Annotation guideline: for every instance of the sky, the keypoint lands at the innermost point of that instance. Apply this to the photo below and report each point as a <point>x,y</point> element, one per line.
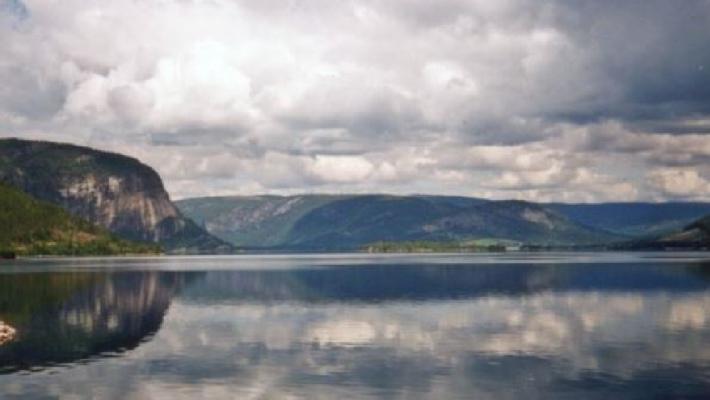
<point>575,101</point>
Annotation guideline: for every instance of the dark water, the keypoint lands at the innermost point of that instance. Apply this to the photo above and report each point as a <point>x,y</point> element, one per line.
<point>543,326</point>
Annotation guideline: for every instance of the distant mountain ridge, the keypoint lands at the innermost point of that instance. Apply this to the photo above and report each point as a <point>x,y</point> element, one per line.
<point>347,222</point>
<point>635,219</point>
<point>114,191</point>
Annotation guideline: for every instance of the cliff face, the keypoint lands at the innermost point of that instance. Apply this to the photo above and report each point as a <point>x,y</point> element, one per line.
<point>131,204</point>
<point>114,191</point>
<point>33,227</point>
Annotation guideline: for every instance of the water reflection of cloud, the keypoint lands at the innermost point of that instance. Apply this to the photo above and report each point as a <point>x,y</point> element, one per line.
<point>582,332</point>
<point>411,349</point>
<point>688,314</point>
<point>342,332</point>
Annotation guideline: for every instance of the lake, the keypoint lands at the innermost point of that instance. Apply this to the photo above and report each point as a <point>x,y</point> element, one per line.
<point>504,326</point>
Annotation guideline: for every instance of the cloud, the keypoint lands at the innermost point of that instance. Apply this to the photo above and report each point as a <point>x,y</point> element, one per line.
<point>509,99</point>
<point>341,168</point>
<point>680,182</point>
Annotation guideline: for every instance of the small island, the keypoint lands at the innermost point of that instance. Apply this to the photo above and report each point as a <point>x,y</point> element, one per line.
<point>429,246</point>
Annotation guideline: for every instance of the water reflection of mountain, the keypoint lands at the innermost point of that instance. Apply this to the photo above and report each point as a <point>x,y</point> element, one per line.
<point>591,331</point>
<point>64,317</point>
<point>418,283</point>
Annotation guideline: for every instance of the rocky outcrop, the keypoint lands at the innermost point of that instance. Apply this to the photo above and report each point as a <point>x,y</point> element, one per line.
<point>114,191</point>
<point>7,333</point>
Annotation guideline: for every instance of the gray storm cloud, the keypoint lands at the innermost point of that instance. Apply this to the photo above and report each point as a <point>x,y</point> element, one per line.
<point>573,101</point>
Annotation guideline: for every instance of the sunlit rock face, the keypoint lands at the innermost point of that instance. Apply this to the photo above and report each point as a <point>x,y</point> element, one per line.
<point>114,191</point>
<point>133,204</point>
<point>67,317</point>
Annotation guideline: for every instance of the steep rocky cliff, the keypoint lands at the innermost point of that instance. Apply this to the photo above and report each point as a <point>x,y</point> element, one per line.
<point>111,190</point>
<point>33,227</point>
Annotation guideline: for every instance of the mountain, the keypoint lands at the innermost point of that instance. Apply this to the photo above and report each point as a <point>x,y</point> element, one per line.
<point>694,235</point>
<point>107,189</point>
<point>33,227</point>
<point>245,221</point>
<point>346,222</point>
<point>634,219</point>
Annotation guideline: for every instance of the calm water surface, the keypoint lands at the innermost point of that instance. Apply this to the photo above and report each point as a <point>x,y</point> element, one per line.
<point>533,326</point>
